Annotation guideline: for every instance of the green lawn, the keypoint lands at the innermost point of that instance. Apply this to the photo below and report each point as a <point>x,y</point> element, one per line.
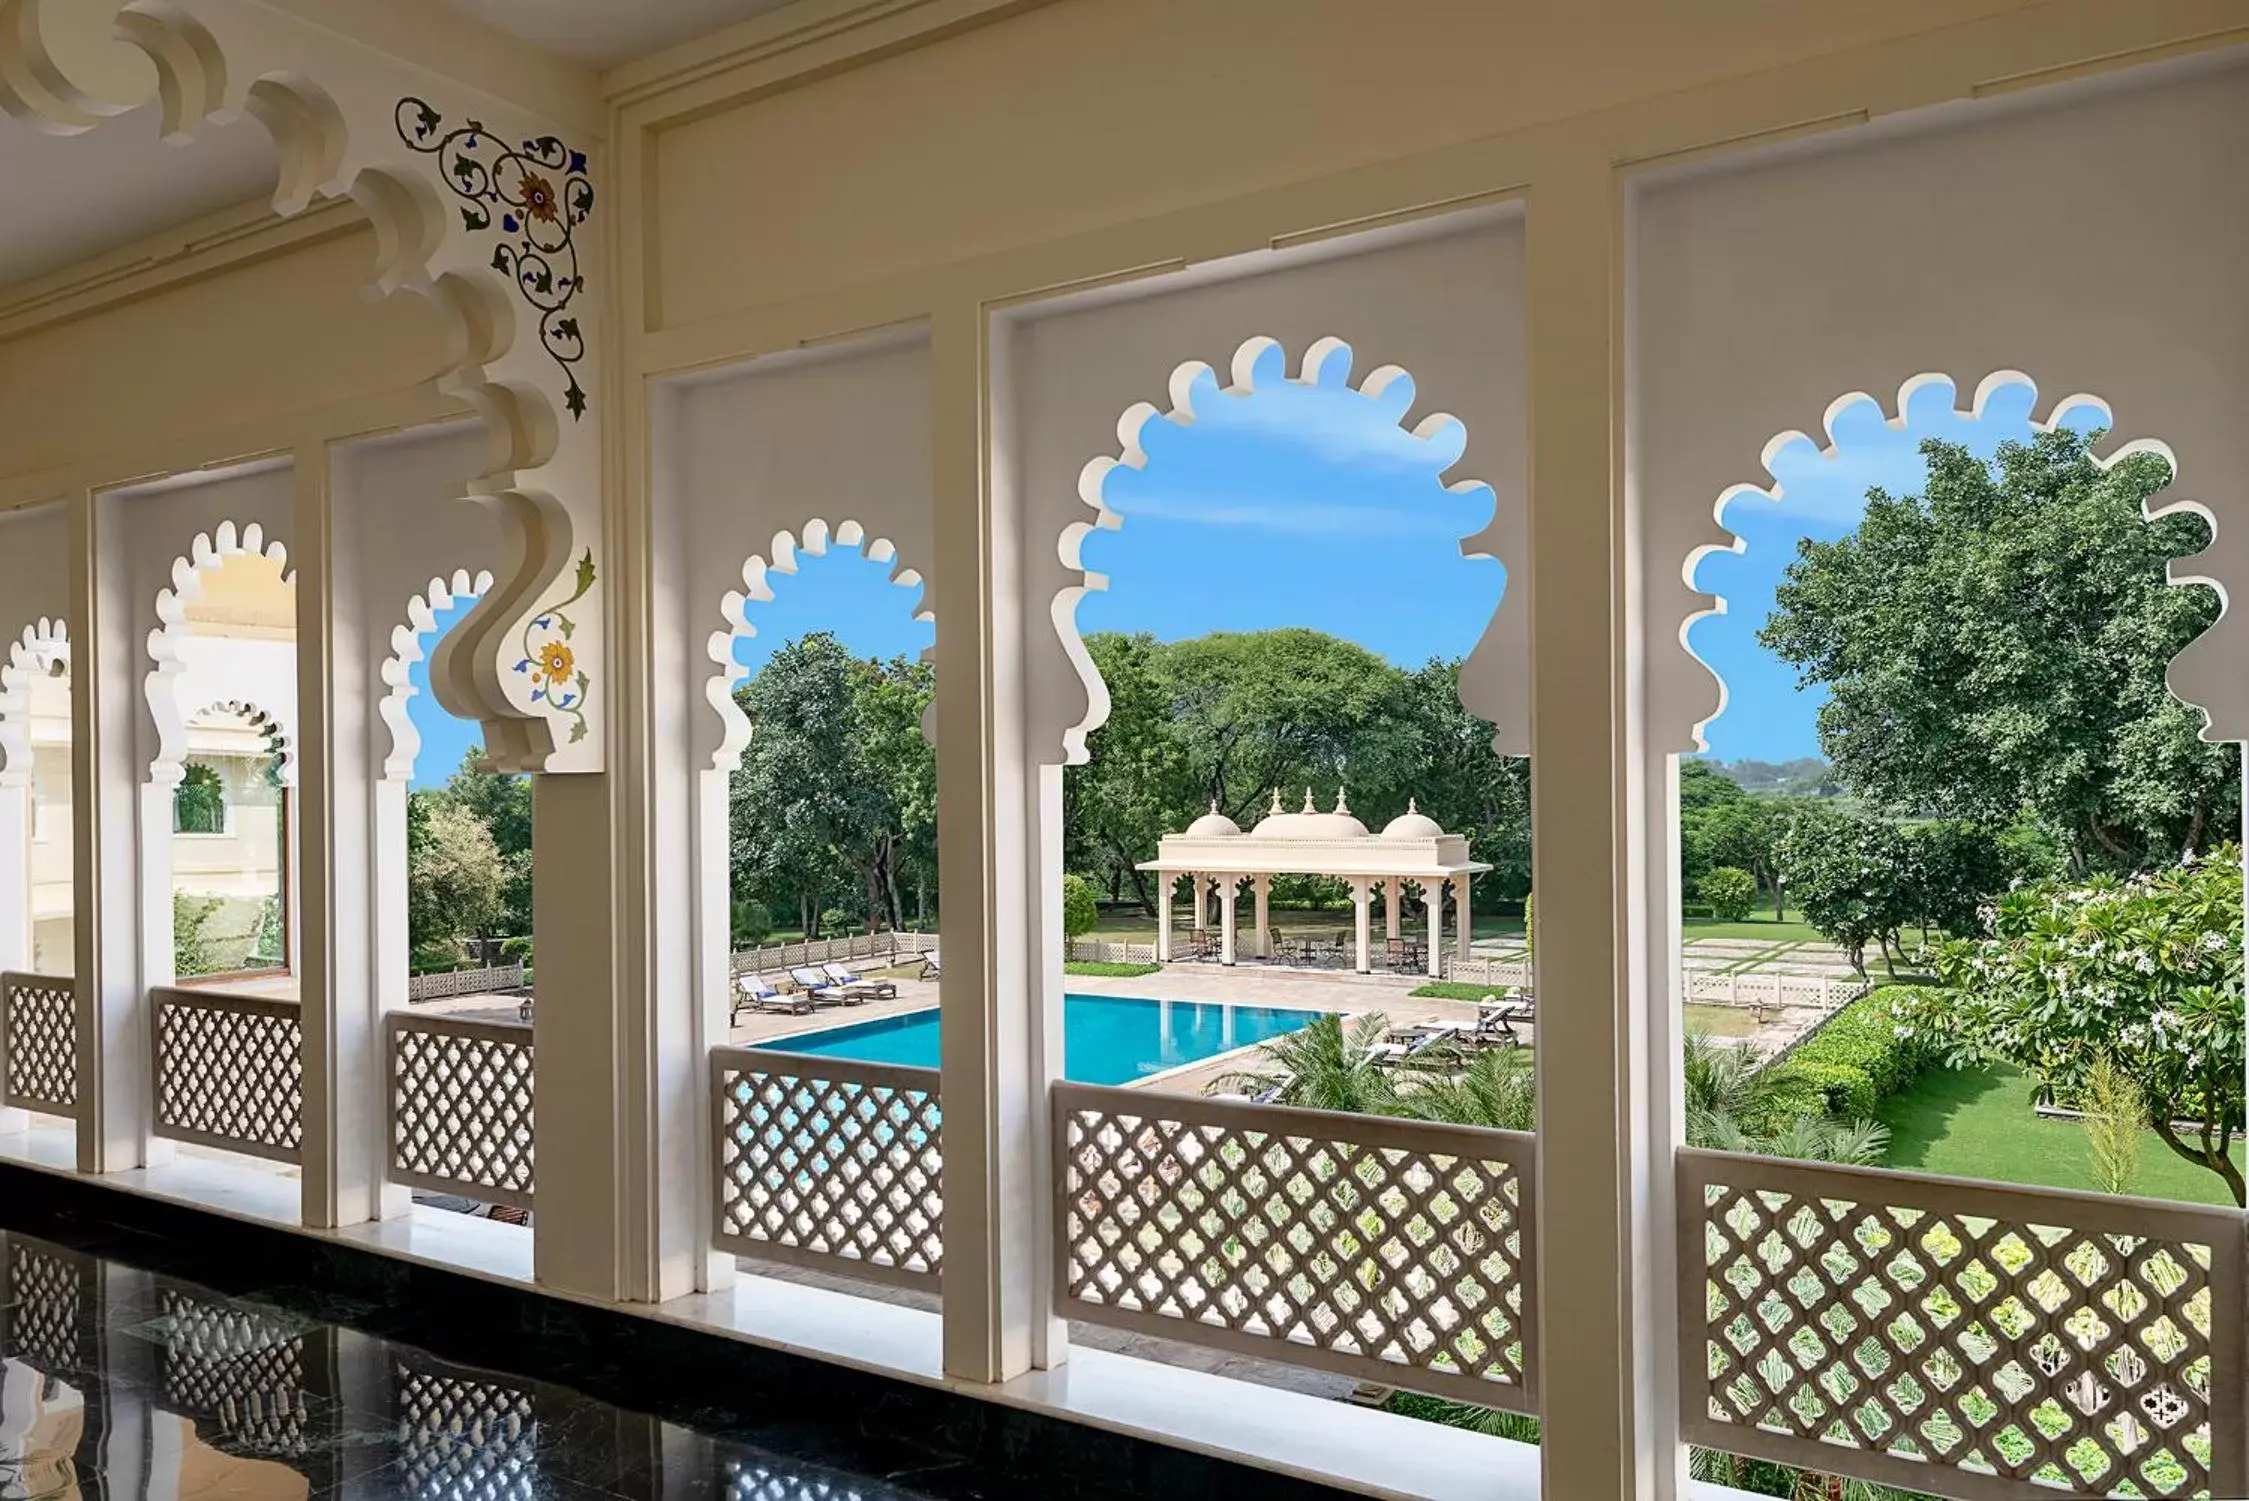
<point>1104,969</point>
<point>1756,925</point>
<point>1979,1124</point>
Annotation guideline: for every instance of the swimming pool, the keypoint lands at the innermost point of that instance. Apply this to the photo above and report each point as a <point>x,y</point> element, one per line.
<point>1106,1039</point>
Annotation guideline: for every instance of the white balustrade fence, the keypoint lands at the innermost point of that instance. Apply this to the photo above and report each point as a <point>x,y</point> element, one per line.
<point>1972,1339</point>
<point>1477,970</point>
<point>500,979</point>
<point>39,1043</point>
<point>1390,1250</point>
<point>1107,951</point>
<point>828,1163</point>
<point>879,948</point>
<point>229,1071</point>
<point>1766,990</point>
<point>460,1107</point>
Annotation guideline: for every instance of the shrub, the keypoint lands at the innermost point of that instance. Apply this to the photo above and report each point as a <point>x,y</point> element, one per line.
<point>753,924</point>
<point>1081,906</point>
<point>1730,891</point>
<point>515,951</point>
<point>191,935</point>
<point>1858,1060</point>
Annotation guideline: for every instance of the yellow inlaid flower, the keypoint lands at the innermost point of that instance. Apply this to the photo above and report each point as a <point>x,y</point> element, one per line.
<point>539,200</point>
<point>557,663</point>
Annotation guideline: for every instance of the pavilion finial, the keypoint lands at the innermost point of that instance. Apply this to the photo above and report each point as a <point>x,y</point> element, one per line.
<point>1275,809</point>
<point>1214,805</point>
<point>1412,806</point>
<point>1341,806</point>
<point>1308,801</point>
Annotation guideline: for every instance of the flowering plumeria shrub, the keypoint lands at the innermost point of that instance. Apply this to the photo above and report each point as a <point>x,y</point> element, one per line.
<point>2146,971</point>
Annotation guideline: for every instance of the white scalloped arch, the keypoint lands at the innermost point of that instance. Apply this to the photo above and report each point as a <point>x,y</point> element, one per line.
<point>812,540</point>
<point>405,650</point>
<point>2155,507</point>
<point>333,136</point>
<point>1391,386</point>
<point>42,650</point>
<point>276,733</point>
<point>209,552</point>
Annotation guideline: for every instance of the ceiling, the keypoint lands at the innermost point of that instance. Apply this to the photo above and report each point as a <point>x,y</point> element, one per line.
<point>118,183</point>
<point>605,33</point>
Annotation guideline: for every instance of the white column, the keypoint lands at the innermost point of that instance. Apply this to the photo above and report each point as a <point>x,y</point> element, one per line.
<point>1462,917</point>
<point>122,900</point>
<point>1163,916</point>
<point>1362,897</point>
<point>1433,893</point>
<point>1392,891</point>
<point>1229,890</point>
<point>1201,892</point>
<point>15,895</point>
<point>1262,888</point>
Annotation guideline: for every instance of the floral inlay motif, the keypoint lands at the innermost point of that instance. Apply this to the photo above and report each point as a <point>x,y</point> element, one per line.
<point>537,194</point>
<point>557,680</point>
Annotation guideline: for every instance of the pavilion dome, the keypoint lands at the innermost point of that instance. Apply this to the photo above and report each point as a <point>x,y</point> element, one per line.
<point>1412,824</point>
<point>1310,823</point>
<point>1213,825</point>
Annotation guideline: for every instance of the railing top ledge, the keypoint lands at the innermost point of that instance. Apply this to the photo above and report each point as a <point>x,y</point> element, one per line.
<point>2118,1214</point>
<point>29,979</point>
<point>1387,1131</point>
<point>815,1066</point>
<point>492,1028</point>
<point>224,1000</point>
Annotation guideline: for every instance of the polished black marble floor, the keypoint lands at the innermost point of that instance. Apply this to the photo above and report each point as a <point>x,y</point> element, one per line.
<point>122,1384</point>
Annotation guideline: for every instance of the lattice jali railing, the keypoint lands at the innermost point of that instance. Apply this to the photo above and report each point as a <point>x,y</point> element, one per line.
<point>1973,1339</point>
<point>229,1071</point>
<point>260,1375</point>
<point>44,1299</point>
<point>829,1163</point>
<point>460,1107</point>
<point>463,1438</point>
<point>1390,1250</point>
<point>39,1043</point>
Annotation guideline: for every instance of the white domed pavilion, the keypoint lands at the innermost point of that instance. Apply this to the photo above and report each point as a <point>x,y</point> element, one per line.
<point>1213,853</point>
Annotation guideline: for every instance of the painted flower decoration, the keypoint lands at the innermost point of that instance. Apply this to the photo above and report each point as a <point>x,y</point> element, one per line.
<point>539,198</point>
<point>556,663</point>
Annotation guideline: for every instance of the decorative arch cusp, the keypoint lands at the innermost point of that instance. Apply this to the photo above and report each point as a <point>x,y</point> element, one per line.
<point>163,686</point>
<point>477,207</point>
<point>42,650</point>
<point>406,648</point>
<point>1700,703</point>
<point>1257,363</point>
<point>812,540</point>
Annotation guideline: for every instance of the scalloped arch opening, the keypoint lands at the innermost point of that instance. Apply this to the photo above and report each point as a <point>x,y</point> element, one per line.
<point>41,651</point>
<point>1913,398</point>
<point>737,616</point>
<point>210,552</point>
<point>407,647</point>
<point>1258,364</point>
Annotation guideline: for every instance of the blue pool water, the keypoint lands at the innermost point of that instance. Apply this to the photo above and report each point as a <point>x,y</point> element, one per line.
<point>1106,1039</point>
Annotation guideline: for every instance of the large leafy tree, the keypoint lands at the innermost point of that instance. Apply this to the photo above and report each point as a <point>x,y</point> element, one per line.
<point>1463,783</point>
<point>502,804</point>
<point>456,877</point>
<point>1854,878</point>
<point>2143,972</point>
<point>897,845</point>
<point>1138,782</point>
<point>1998,643</point>
<point>803,799</point>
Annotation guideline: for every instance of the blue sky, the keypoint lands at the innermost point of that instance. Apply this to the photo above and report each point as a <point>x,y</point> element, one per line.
<point>1312,506</point>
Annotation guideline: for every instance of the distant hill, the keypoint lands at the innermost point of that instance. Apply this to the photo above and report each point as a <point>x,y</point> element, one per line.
<point>1807,776</point>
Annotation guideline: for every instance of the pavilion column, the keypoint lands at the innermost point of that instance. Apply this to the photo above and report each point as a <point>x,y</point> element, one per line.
<point>1433,893</point>
<point>1164,879</point>
<point>1461,916</point>
<point>1262,888</point>
<point>1392,891</point>
<point>1229,891</point>
<point>1195,879</point>
<point>1362,897</point>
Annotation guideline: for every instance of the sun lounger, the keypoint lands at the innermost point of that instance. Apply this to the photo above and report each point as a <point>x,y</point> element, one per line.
<point>824,991</point>
<point>860,985</point>
<point>753,993</point>
<point>932,967</point>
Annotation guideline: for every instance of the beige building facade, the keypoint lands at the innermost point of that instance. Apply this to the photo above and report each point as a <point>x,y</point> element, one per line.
<point>913,277</point>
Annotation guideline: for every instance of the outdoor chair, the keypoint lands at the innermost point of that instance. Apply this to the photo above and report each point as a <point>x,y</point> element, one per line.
<point>932,966</point>
<point>753,993</point>
<point>860,985</point>
<point>824,991</point>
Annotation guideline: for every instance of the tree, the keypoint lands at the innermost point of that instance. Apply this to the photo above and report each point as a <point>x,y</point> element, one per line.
<point>896,840</point>
<point>1958,869</point>
<point>191,935</point>
<point>1324,1065</point>
<point>456,878</point>
<point>502,803</point>
<point>1138,783</point>
<point>2144,972</point>
<point>1081,908</point>
<point>1744,832</point>
<point>1730,891</point>
<point>1853,878</point>
<point>1462,782</point>
<point>1999,644</point>
<point>800,802</point>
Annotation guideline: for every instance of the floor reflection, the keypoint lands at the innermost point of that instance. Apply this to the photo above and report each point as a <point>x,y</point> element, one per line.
<point>118,1384</point>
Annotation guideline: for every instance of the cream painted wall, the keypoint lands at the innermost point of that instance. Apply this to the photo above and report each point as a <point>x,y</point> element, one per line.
<point>1089,112</point>
<point>289,334</point>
